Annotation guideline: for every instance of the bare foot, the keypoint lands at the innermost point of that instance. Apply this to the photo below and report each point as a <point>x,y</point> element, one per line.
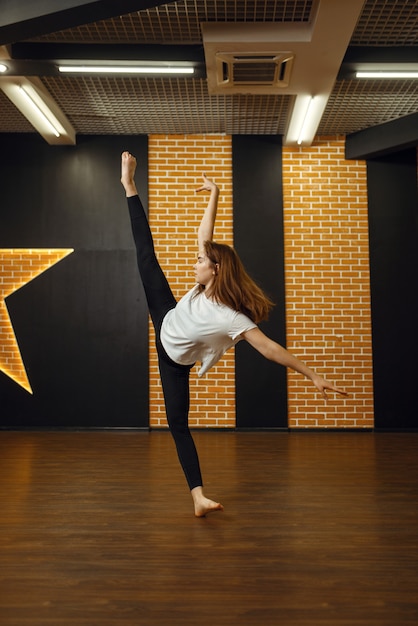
<point>128,173</point>
<point>203,505</point>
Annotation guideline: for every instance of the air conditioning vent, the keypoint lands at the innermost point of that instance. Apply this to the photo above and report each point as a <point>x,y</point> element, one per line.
<point>245,69</point>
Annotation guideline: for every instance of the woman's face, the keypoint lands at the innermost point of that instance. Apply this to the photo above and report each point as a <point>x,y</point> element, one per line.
<point>204,270</point>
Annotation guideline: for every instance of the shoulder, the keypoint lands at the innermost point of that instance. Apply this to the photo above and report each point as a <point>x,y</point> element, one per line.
<point>192,293</point>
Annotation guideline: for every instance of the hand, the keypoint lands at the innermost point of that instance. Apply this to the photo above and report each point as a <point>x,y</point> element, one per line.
<point>322,385</point>
<point>208,185</point>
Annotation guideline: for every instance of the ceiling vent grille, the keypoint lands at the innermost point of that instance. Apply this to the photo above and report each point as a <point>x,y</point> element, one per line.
<point>249,69</point>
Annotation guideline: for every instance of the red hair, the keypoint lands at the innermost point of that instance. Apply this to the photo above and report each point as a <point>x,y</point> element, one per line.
<point>233,286</point>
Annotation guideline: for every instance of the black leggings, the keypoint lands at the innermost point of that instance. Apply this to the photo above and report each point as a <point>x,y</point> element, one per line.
<point>174,377</point>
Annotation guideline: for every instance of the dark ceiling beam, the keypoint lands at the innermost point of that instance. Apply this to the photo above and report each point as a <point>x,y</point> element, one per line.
<point>381,54</point>
<point>25,19</point>
<point>34,52</point>
<point>358,57</point>
<point>384,139</point>
<point>43,59</point>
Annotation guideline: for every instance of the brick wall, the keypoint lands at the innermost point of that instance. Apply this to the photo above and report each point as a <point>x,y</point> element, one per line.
<point>327,283</point>
<point>176,164</point>
<point>327,272</point>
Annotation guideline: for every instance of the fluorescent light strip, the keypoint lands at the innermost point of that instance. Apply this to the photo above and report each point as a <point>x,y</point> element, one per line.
<point>38,111</point>
<point>393,74</point>
<point>305,121</point>
<point>125,69</point>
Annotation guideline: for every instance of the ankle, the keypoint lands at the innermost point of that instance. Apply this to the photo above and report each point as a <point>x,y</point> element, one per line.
<point>197,493</point>
<point>129,187</point>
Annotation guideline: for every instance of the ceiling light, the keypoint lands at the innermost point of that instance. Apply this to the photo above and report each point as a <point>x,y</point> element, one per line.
<point>35,102</point>
<point>387,74</point>
<point>3,68</point>
<point>126,69</point>
<point>305,121</point>
<point>39,112</point>
<point>305,118</point>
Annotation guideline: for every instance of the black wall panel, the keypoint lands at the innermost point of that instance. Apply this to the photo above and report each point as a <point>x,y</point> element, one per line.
<point>261,386</point>
<point>393,220</point>
<point>82,325</point>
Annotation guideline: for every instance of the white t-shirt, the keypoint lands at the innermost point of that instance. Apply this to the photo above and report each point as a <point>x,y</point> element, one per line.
<point>199,329</point>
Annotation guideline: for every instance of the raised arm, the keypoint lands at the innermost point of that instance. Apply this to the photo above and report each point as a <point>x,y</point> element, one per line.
<point>205,232</point>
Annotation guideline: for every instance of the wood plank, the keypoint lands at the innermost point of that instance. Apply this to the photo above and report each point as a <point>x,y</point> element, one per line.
<point>97,528</point>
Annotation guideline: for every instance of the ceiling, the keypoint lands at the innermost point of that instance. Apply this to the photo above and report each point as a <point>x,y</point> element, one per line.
<point>374,31</point>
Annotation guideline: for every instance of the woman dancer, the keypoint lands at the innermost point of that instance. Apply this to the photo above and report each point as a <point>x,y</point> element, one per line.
<point>224,307</point>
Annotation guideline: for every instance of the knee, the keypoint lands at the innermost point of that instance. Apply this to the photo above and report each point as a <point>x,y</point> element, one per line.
<point>178,429</point>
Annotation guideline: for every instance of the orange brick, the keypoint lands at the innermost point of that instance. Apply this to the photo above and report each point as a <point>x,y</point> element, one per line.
<point>176,164</point>
<point>336,221</point>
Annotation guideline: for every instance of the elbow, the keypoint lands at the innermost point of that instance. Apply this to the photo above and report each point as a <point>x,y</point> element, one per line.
<point>267,352</point>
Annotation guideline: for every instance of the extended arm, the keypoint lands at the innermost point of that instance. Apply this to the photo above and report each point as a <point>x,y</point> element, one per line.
<point>205,232</point>
<point>275,352</point>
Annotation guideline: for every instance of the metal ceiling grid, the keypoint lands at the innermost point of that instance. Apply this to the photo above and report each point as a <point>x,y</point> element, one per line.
<point>12,120</point>
<point>387,23</point>
<point>182,105</point>
<point>179,22</point>
<point>355,105</point>
<point>130,105</point>
<point>382,22</point>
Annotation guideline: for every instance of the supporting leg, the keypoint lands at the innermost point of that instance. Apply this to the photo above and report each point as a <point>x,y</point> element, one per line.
<point>175,380</point>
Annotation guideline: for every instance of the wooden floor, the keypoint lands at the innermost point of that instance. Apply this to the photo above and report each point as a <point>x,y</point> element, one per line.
<point>319,529</point>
